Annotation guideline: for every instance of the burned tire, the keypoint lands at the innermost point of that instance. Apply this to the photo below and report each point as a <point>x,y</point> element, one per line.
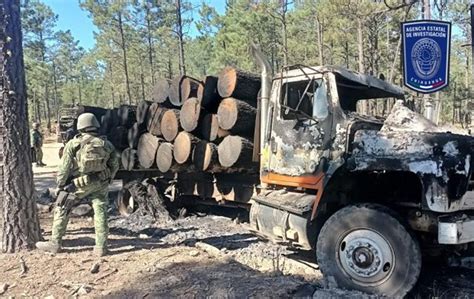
<point>365,247</point>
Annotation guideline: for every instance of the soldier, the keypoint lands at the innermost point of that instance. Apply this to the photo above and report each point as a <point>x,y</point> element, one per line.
<point>37,144</point>
<point>88,166</point>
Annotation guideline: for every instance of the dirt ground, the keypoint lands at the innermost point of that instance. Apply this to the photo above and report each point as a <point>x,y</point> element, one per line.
<point>202,255</point>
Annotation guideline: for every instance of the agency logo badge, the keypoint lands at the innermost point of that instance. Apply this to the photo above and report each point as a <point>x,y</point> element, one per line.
<point>426,50</point>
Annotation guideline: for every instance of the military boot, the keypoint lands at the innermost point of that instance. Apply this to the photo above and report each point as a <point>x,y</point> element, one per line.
<point>100,251</point>
<point>50,246</point>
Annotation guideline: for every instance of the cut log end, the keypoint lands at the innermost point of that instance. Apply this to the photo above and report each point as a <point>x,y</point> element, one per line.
<point>227,82</point>
<point>164,156</point>
<point>182,147</point>
<point>235,151</point>
<point>160,91</point>
<point>204,154</point>
<point>190,114</point>
<point>170,125</point>
<point>155,113</point>
<point>129,158</point>
<point>227,113</point>
<point>147,147</point>
<point>210,127</point>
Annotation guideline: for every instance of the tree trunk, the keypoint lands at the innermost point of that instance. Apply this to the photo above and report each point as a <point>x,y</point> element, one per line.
<point>21,228</point>
<point>170,124</point>
<point>236,116</point>
<point>183,147</point>
<point>191,114</point>
<point>179,23</point>
<point>210,127</point>
<point>147,147</point>
<point>149,30</point>
<point>155,113</point>
<point>129,159</point>
<point>238,84</point>
<point>123,45</point>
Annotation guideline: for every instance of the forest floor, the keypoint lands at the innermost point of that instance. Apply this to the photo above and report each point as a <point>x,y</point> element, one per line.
<point>204,254</point>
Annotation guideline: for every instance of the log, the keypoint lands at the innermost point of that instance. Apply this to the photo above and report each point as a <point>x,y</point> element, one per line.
<point>210,129</point>
<point>238,84</point>
<point>238,117</point>
<point>183,147</point>
<point>146,150</point>
<point>160,91</point>
<point>129,159</point>
<point>236,152</point>
<point>155,113</point>
<point>97,111</point>
<point>210,96</point>
<point>142,113</point>
<point>109,121</point>
<point>183,88</point>
<point>191,114</point>
<point>205,156</point>
<point>164,156</point>
<point>170,125</point>
<point>127,115</point>
<point>133,135</point>
<point>118,137</point>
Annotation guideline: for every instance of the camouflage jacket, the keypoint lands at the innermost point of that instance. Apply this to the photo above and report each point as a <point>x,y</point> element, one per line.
<point>69,168</point>
<point>36,138</point>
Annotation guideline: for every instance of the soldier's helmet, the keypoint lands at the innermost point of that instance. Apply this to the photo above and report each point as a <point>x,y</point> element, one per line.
<point>36,125</point>
<point>87,120</point>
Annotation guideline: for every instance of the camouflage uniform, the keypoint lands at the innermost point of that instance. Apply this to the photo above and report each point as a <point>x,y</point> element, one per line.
<point>92,187</point>
<point>37,144</point>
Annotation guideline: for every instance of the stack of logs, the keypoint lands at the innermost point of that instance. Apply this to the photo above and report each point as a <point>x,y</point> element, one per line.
<point>190,125</point>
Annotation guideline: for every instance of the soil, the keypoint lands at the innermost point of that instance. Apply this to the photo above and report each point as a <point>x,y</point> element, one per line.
<point>204,254</point>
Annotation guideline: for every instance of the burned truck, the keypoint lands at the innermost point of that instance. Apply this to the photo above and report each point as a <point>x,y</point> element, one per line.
<point>368,194</point>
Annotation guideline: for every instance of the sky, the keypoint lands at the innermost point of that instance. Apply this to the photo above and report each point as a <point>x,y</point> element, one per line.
<point>72,17</point>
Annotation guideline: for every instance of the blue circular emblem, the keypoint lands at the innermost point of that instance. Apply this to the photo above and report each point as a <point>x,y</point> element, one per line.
<point>426,58</point>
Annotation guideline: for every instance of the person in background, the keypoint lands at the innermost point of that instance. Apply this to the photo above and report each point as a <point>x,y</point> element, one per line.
<point>37,144</point>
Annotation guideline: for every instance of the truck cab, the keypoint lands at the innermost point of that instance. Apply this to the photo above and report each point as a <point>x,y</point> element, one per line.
<point>367,193</point>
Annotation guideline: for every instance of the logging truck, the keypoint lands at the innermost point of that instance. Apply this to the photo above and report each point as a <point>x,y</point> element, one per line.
<point>368,194</point>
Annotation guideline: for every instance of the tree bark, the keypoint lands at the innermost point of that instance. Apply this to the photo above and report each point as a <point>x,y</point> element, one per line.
<point>179,25</point>
<point>210,96</point>
<point>124,52</point>
<point>238,84</point>
<point>236,116</point>
<point>21,228</point>
<point>118,137</point>
<point>127,115</point>
<point>170,125</point>
<point>133,135</point>
<point>155,113</point>
<point>142,113</point>
<point>205,156</point>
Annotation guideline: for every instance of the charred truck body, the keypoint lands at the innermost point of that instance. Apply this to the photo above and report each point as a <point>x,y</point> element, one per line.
<point>366,193</point>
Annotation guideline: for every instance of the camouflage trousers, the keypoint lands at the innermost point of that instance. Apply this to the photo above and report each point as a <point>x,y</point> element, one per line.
<point>39,154</point>
<point>97,193</point>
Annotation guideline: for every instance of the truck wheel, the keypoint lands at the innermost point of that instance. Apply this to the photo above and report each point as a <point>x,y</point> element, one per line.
<point>365,247</point>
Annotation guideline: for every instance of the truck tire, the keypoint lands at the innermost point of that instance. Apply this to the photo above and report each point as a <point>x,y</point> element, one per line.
<point>365,247</point>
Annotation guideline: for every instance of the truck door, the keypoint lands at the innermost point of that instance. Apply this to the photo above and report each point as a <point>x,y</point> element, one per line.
<point>300,132</point>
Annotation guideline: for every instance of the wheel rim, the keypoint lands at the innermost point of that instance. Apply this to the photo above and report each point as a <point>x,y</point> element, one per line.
<point>366,257</point>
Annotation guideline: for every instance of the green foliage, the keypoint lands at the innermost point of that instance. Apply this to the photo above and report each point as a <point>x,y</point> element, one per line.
<point>138,41</point>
